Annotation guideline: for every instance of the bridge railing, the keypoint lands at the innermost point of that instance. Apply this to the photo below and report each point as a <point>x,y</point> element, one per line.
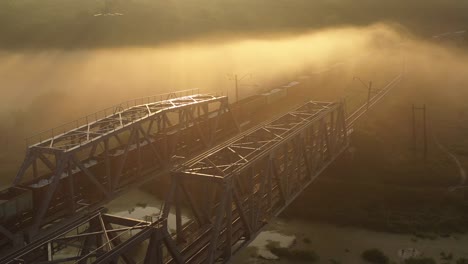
<point>40,137</point>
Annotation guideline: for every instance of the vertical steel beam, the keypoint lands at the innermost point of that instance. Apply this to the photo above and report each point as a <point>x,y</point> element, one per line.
<point>217,225</point>
<point>121,164</point>
<point>71,189</point>
<point>154,251</point>
<point>107,164</point>
<point>172,247</point>
<point>178,212</point>
<point>228,249</point>
<point>241,211</point>
<point>41,213</point>
<point>199,216</point>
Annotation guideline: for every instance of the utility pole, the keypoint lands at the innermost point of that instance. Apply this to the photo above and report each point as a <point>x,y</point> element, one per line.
<point>424,127</point>
<point>369,90</point>
<point>425,132</point>
<point>236,83</point>
<point>369,93</point>
<point>414,129</point>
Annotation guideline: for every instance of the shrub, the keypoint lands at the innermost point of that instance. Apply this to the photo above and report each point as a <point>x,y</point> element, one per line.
<point>295,255</point>
<point>446,256</point>
<point>375,256</point>
<point>420,261</point>
<point>142,205</point>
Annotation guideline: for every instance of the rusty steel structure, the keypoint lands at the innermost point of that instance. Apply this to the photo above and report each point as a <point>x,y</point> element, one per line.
<point>76,171</point>
<point>219,200</point>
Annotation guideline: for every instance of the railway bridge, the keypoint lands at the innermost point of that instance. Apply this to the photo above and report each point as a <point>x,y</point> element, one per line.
<point>224,186</point>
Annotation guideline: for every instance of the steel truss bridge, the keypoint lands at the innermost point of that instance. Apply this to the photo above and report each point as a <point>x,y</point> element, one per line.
<point>227,193</point>
<point>82,168</point>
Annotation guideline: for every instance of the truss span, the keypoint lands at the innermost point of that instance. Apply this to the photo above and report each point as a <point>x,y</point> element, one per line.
<point>234,190</point>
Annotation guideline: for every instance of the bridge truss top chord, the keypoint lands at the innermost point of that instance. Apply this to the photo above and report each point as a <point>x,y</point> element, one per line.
<point>227,159</point>
<point>115,122</point>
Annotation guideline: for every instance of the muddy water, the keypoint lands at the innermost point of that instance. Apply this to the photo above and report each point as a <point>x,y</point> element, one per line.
<point>334,244</point>
<point>331,243</point>
<point>140,205</point>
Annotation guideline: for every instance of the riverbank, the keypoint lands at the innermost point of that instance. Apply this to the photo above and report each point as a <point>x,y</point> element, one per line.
<point>390,192</point>
<point>298,240</point>
<point>335,244</point>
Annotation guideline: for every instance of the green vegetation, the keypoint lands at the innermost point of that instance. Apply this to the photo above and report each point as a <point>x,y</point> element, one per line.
<point>375,256</point>
<point>420,261</point>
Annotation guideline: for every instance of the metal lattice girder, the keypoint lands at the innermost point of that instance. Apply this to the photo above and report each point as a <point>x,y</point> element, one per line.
<point>227,160</point>
<point>119,120</point>
<point>82,241</point>
<point>147,123</point>
<point>91,164</point>
<point>233,190</point>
